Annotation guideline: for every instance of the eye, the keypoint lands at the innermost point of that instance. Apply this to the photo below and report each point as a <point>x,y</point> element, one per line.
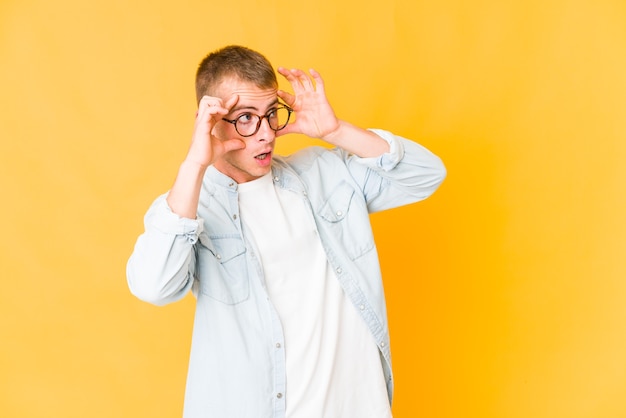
<point>271,114</point>
<point>245,118</point>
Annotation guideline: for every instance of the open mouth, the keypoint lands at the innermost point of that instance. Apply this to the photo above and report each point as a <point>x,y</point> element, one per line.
<point>264,156</point>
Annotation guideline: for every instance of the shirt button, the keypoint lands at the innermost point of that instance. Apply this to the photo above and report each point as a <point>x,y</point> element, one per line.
<point>339,213</point>
<point>276,179</point>
<point>339,270</point>
<point>361,307</point>
<point>218,256</point>
<point>277,345</point>
<point>235,216</point>
<point>279,395</point>
<point>382,344</point>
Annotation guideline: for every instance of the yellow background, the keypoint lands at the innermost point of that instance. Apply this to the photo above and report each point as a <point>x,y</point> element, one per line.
<point>506,289</point>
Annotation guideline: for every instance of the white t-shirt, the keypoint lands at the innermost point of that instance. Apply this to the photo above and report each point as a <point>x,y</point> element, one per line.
<point>333,364</point>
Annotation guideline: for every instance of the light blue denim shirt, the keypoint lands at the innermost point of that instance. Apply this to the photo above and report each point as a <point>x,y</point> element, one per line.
<point>237,363</point>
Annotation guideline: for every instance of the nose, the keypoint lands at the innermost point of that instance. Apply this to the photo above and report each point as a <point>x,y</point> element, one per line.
<point>266,133</point>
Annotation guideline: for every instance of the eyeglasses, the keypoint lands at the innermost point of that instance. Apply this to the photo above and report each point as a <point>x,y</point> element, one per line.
<point>247,124</point>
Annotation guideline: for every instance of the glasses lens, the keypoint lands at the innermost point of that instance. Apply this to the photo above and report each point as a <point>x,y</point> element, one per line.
<point>247,124</point>
<point>282,117</point>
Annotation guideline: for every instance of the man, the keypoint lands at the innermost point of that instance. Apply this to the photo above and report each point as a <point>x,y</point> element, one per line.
<point>290,317</point>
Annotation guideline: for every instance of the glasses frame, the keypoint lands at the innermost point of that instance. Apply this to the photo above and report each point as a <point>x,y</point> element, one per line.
<point>266,116</point>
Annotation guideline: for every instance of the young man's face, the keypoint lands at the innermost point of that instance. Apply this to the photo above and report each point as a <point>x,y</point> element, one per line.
<point>255,159</point>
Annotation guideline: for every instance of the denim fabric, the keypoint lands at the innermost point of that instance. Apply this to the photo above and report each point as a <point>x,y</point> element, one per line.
<point>237,362</point>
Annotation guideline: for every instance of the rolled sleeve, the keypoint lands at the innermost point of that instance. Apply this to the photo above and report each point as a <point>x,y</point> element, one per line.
<point>164,220</point>
<point>160,269</point>
<point>388,160</point>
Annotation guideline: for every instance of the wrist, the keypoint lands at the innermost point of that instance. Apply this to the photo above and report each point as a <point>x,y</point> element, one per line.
<point>333,137</point>
<point>192,169</point>
<point>191,164</point>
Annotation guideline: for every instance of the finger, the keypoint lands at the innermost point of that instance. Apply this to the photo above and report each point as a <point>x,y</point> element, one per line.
<point>304,79</point>
<point>202,105</point>
<point>300,79</point>
<point>288,98</point>
<point>319,82</point>
<point>210,111</point>
<point>291,128</point>
<point>204,100</point>
<point>207,106</point>
<point>209,101</point>
<point>216,107</point>
<point>231,102</point>
<point>291,76</point>
<point>285,73</point>
<point>233,144</point>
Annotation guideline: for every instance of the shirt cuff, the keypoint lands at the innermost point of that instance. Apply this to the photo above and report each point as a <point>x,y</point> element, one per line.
<point>390,159</point>
<point>163,219</point>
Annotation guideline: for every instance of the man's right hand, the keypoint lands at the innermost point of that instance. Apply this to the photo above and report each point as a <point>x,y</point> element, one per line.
<point>205,147</point>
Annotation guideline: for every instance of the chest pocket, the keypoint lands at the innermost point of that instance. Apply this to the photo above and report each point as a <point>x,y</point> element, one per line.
<point>347,218</point>
<point>222,269</point>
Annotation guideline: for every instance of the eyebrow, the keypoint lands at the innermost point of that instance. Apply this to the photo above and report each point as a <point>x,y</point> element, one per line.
<point>245,107</point>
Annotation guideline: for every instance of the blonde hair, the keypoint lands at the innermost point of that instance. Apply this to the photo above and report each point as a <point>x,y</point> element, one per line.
<point>233,60</point>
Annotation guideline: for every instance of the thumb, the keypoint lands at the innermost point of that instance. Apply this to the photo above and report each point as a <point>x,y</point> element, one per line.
<point>290,128</point>
<point>233,144</point>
